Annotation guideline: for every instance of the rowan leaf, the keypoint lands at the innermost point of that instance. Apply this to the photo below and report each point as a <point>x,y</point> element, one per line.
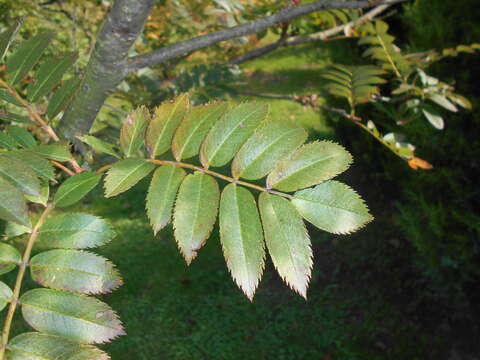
<point>7,97</point>
<point>62,97</point>
<point>99,145</point>
<point>27,55</point>
<point>192,130</point>
<point>19,175</point>
<point>38,346</point>
<point>21,136</point>
<point>287,241</point>
<point>12,204</point>
<point>44,194</point>
<point>6,141</point>
<point>9,258</point>
<point>75,188</point>
<point>161,195</point>
<point>37,163</point>
<point>443,102</point>
<point>77,317</point>
<point>133,131</point>
<point>6,38</point>
<point>195,213</point>
<point>230,132</point>
<point>53,152</point>
<point>332,206</point>
<point>434,118</point>
<point>74,270</point>
<point>126,173</point>
<point>74,231</point>
<point>49,74</point>
<point>309,165</point>
<point>241,237</point>
<point>271,142</point>
<point>166,120</point>
<point>5,294</point>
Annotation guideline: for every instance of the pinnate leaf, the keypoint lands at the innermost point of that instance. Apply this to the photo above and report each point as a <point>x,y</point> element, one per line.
<point>192,131</point>
<point>99,145</point>
<point>74,270</point>
<point>38,346</point>
<point>27,55</point>
<point>195,213</point>
<point>309,165</point>
<point>75,188</point>
<point>21,136</point>
<point>287,241</point>
<point>37,163</point>
<point>19,175</point>
<point>77,317</point>
<point>230,132</point>
<point>53,152</point>
<point>241,237</point>
<point>332,206</point>
<point>44,194</point>
<point>12,204</point>
<point>49,75</point>
<point>162,193</point>
<point>5,294</point>
<point>74,231</point>
<point>133,131</point>
<point>124,174</point>
<point>272,141</point>
<point>9,258</point>
<point>166,120</point>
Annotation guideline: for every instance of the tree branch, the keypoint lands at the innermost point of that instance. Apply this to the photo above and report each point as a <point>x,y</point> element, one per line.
<point>322,35</point>
<point>164,54</point>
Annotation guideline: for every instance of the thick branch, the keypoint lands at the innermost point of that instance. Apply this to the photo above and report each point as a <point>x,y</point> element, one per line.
<point>321,35</point>
<point>105,69</point>
<point>162,55</point>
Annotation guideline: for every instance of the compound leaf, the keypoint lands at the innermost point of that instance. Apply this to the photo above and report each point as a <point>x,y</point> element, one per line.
<point>241,237</point>
<point>99,145</point>
<point>74,270</point>
<point>12,204</point>
<point>53,152</point>
<point>195,213</point>
<point>309,165</point>
<point>133,131</point>
<point>21,136</point>
<point>75,188</point>
<point>9,258</point>
<point>230,132</point>
<point>5,294</point>
<point>20,175</point>
<point>77,317</point>
<point>332,206</point>
<point>74,231</point>
<point>272,141</point>
<point>162,193</point>
<point>124,174</point>
<point>37,163</point>
<point>287,241</point>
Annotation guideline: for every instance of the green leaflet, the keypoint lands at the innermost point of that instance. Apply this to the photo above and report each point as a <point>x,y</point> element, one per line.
<point>228,134</point>
<point>6,141</point>
<point>434,118</point>
<point>44,194</point>
<point>241,237</point>
<point>62,97</point>
<point>37,163</point>
<point>37,346</point>
<point>21,136</point>
<point>332,206</point>
<point>164,123</point>
<point>49,75</point>
<point>190,134</point>
<point>12,204</point>
<point>19,175</point>
<point>74,231</point>
<point>6,96</point>
<point>27,55</point>
<point>309,165</point>
<point>161,195</point>
<point>12,229</point>
<point>13,117</point>
<point>5,295</point>
<point>9,258</point>
<point>6,38</point>
<point>271,142</point>
<point>74,270</point>
<point>133,131</point>
<point>53,152</point>
<point>76,317</point>
<point>443,102</point>
<point>124,174</point>
<point>99,145</point>
<point>195,213</point>
<point>287,241</point>
<point>75,188</point>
